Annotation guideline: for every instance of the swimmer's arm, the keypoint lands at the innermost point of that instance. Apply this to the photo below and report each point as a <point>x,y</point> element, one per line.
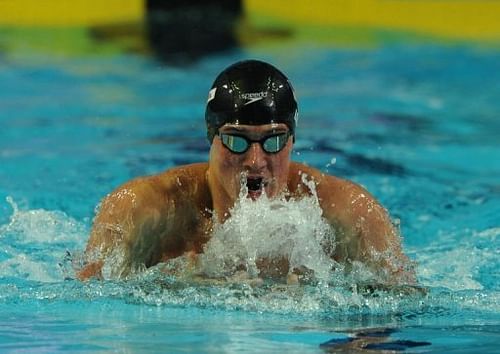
<point>124,224</point>
<point>380,242</point>
<point>367,233</point>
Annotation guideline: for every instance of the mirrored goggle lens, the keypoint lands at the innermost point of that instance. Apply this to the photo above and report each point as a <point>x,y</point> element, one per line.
<point>235,143</point>
<point>240,144</point>
<point>274,143</point>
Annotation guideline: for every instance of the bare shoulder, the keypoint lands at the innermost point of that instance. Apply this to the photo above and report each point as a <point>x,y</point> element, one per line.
<point>189,177</point>
<point>137,215</point>
<point>363,227</point>
<point>120,211</point>
<point>149,195</point>
<point>332,191</point>
<point>344,202</point>
<point>144,205</point>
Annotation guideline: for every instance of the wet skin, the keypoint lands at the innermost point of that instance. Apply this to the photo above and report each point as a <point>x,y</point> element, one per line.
<point>226,168</point>
<point>153,219</point>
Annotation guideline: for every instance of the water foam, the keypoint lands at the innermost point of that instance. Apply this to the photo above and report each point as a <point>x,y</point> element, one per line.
<point>35,243</point>
<point>459,260</point>
<point>265,229</point>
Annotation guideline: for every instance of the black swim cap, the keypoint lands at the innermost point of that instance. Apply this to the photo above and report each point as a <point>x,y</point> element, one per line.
<point>250,92</point>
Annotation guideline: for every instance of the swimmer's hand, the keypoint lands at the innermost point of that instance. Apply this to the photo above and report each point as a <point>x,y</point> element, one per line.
<point>91,270</point>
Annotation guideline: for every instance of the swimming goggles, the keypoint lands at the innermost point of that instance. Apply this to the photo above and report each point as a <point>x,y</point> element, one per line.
<point>239,144</point>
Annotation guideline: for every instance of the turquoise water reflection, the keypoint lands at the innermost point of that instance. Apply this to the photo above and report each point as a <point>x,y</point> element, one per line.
<point>416,125</point>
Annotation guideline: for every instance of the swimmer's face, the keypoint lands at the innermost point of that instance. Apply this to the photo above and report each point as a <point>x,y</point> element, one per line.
<point>261,171</point>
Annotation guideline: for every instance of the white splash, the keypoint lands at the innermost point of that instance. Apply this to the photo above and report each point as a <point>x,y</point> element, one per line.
<point>456,264</point>
<point>290,230</point>
<point>34,242</point>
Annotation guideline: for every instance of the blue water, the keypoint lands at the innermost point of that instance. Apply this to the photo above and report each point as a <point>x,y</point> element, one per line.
<point>417,125</point>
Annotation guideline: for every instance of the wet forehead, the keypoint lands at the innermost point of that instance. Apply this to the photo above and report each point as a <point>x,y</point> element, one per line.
<point>254,130</point>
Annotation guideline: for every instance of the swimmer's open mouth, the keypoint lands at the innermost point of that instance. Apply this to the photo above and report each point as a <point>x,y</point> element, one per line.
<point>254,184</point>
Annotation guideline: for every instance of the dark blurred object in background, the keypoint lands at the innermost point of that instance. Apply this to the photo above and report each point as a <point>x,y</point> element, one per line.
<point>180,31</point>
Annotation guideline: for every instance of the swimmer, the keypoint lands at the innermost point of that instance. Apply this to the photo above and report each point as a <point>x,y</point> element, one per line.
<point>251,118</point>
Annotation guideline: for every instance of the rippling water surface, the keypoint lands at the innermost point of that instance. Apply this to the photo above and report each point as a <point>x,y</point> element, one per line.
<point>416,125</point>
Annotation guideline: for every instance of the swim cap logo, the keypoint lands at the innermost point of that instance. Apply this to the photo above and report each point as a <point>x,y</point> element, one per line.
<point>252,97</point>
<point>211,94</point>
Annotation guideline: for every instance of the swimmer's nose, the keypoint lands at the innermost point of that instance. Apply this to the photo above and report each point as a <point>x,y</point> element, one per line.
<point>255,158</point>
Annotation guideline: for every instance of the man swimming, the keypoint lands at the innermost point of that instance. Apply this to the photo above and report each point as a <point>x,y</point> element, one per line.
<point>251,116</point>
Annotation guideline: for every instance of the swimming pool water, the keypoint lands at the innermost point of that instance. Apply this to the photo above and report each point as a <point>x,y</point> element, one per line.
<point>416,124</point>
